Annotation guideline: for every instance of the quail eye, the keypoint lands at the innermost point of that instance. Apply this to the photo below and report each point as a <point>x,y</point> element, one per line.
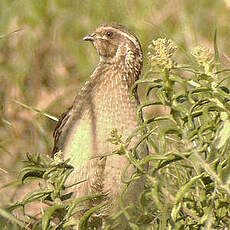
<point>109,34</point>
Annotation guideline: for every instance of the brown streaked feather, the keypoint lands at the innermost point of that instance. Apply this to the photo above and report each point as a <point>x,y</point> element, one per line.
<point>103,104</point>
<point>75,111</point>
<point>58,129</point>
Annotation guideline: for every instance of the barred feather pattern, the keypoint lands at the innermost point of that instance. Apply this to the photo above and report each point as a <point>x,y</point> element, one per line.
<point>103,104</point>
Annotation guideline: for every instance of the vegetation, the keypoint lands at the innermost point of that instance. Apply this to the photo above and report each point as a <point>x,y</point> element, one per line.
<point>41,64</point>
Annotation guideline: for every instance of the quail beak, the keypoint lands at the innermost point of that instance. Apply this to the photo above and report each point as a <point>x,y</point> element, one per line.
<point>90,37</point>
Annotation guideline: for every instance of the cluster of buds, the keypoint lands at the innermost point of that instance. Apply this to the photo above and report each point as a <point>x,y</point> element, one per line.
<point>115,137</point>
<point>161,51</point>
<point>204,57</point>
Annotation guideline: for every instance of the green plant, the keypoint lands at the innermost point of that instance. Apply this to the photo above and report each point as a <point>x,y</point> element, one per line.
<point>189,173</point>
<point>188,178</point>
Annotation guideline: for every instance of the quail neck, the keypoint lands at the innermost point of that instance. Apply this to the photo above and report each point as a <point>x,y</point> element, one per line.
<point>103,104</point>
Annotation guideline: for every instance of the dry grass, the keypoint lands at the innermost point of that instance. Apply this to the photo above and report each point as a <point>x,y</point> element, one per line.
<point>45,63</point>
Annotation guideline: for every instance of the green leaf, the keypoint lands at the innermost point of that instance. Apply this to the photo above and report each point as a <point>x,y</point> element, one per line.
<point>223,134</point>
<point>13,219</point>
<point>186,188</point>
<point>48,214</point>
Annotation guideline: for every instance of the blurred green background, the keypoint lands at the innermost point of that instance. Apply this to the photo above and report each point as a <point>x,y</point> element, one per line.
<point>44,64</point>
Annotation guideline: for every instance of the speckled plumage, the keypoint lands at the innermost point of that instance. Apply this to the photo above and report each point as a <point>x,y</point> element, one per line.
<point>103,104</point>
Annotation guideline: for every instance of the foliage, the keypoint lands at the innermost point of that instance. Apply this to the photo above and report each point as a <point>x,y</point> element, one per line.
<point>188,178</point>
<point>43,63</point>
<point>189,172</point>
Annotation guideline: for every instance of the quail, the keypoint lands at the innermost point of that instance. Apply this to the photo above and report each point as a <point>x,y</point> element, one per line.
<point>103,104</point>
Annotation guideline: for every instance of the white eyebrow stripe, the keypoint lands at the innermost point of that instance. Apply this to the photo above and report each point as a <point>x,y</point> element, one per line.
<point>130,37</point>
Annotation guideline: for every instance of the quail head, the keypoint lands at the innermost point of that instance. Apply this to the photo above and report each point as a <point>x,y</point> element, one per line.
<point>103,104</point>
